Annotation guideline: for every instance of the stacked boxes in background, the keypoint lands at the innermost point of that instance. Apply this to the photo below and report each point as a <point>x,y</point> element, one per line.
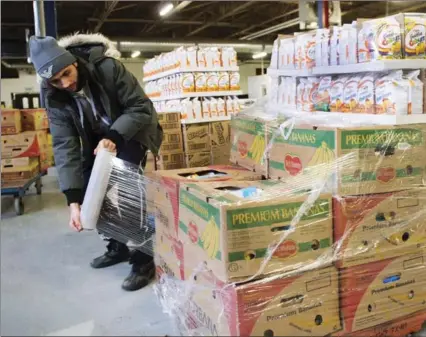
<point>192,145</point>
<point>26,145</point>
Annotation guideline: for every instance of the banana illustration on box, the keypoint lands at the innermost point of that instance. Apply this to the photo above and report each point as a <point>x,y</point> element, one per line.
<point>210,238</point>
<point>257,149</point>
<point>323,155</point>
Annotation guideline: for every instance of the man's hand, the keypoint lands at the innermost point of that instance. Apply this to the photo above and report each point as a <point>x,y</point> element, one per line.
<point>107,145</point>
<point>75,217</point>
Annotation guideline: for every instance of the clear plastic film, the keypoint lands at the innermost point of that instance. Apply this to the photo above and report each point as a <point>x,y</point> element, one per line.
<point>327,237</point>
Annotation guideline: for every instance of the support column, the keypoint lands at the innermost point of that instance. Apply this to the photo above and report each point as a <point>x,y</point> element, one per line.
<point>39,23</point>
<point>50,18</point>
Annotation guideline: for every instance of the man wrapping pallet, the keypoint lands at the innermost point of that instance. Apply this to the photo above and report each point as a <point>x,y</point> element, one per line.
<point>93,102</point>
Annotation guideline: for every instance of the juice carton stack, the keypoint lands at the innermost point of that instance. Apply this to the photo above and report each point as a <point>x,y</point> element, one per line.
<point>25,147</point>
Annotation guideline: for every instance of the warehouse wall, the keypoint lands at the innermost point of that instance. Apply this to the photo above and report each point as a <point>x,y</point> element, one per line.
<point>246,70</point>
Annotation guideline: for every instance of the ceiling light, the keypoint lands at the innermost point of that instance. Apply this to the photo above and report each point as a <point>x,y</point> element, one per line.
<point>135,54</point>
<point>259,55</point>
<point>166,9</point>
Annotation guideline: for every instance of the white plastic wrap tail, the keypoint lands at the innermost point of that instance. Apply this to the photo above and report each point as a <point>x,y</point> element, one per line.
<point>96,189</point>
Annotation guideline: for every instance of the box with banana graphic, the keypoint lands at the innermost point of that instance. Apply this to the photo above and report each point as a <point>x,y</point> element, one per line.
<point>249,137</point>
<point>378,292</point>
<point>167,189</point>
<point>352,161</point>
<point>233,226</point>
<point>374,227</point>
<point>304,304</point>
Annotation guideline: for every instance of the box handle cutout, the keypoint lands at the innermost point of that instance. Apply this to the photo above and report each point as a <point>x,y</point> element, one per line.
<point>203,173</point>
<point>318,320</point>
<point>268,333</point>
<point>280,228</point>
<point>385,150</point>
<point>392,278</point>
<point>249,255</point>
<point>292,300</point>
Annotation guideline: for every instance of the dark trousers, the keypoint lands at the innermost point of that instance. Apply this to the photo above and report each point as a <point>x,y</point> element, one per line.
<point>125,219</point>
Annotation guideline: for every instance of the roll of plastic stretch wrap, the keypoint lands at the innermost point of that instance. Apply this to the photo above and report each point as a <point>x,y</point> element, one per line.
<point>96,189</point>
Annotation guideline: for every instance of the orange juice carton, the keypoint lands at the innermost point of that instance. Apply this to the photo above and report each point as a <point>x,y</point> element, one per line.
<point>275,54</point>
<point>310,93</point>
<point>196,108</point>
<point>181,57</point>
<point>347,45</point>
<point>303,304</point>
<point>224,81</point>
<point>188,82</point>
<point>187,109</point>
<point>382,291</point>
<point>366,96</point>
<point>415,35</point>
<point>229,106</point>
<point>282,91</point>
<point>300,94</point>
<point>234,78</point>
<point>392,94</point>
<point>202,58</point>
<point>237,107</point>
<point>212,81</point>
<point>306,50</point>
<point>227,54</point>
<point>286,52</point>
<point>200,82</point>
<point>334,46</point>
<point>221,110</point>
<point>323,98</point>
<point>213,107</point>
<point>318,45</point>
<point>191,58</point>
<point>168,183</point>
<point>232,226</point>
<point>350,94</point>
<point>292,92</point>
<point>380,39</point>
<point>215,57</point>
<point>325,47</point>
<point>415,92</point>
<point>374,227</point>
<point>206,108</point>
<point>10,121</point>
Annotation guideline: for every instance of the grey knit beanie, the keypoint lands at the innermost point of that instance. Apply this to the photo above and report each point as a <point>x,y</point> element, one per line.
<point>48,57</point>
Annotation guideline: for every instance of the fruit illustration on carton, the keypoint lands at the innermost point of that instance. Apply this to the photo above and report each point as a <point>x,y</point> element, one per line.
<point>210,238</point>
<point>257,149</point>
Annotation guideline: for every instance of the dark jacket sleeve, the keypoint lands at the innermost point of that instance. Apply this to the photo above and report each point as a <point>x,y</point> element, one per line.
<point>137,112</point>
<point>67,151</point>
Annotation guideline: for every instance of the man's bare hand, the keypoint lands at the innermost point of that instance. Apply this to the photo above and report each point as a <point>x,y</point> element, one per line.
<point>107,145</point>
<point>75,222</point>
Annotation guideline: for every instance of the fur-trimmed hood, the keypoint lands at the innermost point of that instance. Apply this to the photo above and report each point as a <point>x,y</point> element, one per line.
<point>78,39</point>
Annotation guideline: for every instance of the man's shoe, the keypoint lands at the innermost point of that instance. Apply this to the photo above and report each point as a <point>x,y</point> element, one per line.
<point>139,277</point>
<point>116,253</point>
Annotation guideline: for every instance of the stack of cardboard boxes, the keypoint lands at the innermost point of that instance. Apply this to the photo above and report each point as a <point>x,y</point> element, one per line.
<point>26,146</point>
<point>192,145</point>
<point>278,258</point>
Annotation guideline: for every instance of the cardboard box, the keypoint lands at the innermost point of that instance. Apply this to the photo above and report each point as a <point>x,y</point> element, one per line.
<point>221,156</point>
<point>379,226</point>
<point>19,169</point>
<point>49,140</point>
<point>169,253</point>
<point>10,121</point>
<point>196,137</point>
<point>172,161</point>
<point>232,232</point>
<point>34,119</point>
<point>378,292</point>
<point>220,134</point>
<point>249,138</point>
<point>172,142</point>
<point>366,160</point>
<point>306,304</point>
<point>198,159</point>
<point>167,192</point>
<point>169,121</point>
<point>25,144</point>
<point>404,326</point>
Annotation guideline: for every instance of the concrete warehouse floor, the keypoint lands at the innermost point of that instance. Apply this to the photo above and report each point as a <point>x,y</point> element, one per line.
<point>48,287</point>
